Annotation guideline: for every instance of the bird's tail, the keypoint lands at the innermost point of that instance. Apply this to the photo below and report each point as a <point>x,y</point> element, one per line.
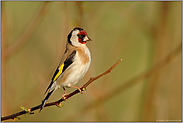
<point>45,99</point>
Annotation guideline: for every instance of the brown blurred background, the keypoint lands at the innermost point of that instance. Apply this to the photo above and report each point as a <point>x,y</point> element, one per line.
<point>145,86</point>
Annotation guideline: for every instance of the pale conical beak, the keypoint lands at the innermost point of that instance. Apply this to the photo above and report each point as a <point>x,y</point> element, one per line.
<point>86,38</point>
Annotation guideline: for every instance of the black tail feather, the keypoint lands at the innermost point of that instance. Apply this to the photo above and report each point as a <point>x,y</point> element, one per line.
<point>45,99</point>
<point>48,87</point>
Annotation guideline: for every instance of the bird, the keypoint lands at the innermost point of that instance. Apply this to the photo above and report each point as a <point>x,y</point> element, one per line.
<point>74,63</point>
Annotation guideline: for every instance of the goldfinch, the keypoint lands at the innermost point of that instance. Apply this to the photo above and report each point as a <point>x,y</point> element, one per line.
<point>73,65</point>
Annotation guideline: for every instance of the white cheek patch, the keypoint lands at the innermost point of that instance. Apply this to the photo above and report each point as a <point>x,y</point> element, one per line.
<point>74,38</point>
<point>75,32</point>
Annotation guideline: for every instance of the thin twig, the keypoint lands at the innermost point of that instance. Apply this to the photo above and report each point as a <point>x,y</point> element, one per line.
<point>92,79</point>
<point>130,83</point>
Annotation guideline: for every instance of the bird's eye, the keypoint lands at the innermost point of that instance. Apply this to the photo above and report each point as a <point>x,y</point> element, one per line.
<point>80,36</point>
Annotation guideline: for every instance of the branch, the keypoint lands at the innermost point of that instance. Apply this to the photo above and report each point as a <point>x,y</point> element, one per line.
<point>83,88</point>
<point>130,83</point>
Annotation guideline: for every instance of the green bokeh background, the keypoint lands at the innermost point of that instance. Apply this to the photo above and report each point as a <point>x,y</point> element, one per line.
<point>141,33</point>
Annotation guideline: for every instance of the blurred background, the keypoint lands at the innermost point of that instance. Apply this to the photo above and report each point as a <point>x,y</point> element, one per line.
<point>145,86</point>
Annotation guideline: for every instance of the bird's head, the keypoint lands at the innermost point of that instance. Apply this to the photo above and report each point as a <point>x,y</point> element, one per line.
<point>78,37</point>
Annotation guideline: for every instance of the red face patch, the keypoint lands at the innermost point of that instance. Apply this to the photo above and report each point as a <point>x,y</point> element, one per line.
<point>81,35</point>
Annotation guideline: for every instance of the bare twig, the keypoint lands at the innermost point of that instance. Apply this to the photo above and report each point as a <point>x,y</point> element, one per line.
<point>92,79</point>
<point>121,88</point>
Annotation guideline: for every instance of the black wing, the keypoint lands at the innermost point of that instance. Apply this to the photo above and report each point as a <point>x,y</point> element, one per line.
<point>61,68</point>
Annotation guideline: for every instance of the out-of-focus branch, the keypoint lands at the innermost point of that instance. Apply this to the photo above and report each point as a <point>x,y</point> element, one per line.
<point>80,13</point>
<point>83,88</point>
<point>21,41</point>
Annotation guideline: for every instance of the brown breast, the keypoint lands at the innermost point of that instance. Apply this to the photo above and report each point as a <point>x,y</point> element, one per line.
<point>83,56</point>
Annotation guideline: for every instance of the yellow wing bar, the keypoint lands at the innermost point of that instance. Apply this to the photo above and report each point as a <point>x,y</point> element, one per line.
<point>59,72</point>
